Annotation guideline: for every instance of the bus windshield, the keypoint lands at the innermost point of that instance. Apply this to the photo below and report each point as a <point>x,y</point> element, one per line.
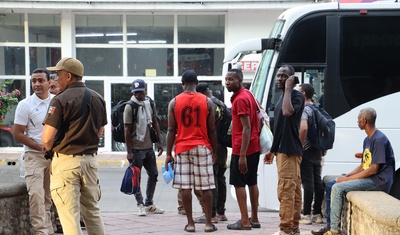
<point>259,85</point>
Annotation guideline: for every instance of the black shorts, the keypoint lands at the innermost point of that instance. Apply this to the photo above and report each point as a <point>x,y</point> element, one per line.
<point>250,178</point>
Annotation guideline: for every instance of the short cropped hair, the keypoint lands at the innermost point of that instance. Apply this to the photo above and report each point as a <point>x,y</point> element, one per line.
<point>40,70</point>
<point>308,90</point>
<point>369,114</point>
<point>238,72</point>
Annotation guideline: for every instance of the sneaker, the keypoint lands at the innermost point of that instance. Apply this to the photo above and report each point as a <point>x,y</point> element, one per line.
<point>305,219</point>
<point>280,232</point>
<point>141,210</point>
<point>296,232</point>
<point>222,218</point>
<point>320,231</point>
<point>317,219</point>
<point>201,219</point>
<point>152,209</point>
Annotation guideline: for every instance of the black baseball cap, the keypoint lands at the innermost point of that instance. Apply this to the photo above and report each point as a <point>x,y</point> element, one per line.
<point>202,87</point>
<point>189,76</point>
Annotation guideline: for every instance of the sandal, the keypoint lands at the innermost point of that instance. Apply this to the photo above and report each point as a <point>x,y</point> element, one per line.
<point>238,226</point>
<point>209,230</point>
<point>254,225</point>
<point>189,230</point>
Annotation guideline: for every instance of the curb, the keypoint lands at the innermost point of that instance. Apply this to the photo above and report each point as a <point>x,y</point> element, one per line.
<point>118,163</point>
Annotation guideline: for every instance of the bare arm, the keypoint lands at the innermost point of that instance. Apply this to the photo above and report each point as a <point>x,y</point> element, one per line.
<point>48,135</point>
<point>128,142</point>
<point>155,124</point>
<point>19,135</point>
<point>171,133</point>
<point>303,131</point>
<point>360,173</point>
<point>246,133</point>
<point>287,107</point>
<point>100,132</point>
<point>212,134</point>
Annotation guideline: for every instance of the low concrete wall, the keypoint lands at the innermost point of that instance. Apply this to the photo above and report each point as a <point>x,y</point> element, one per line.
<point>372,213</point>
<point>14,204</point>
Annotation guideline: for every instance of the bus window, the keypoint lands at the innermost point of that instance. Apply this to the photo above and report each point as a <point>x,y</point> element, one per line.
<point>369,46</point>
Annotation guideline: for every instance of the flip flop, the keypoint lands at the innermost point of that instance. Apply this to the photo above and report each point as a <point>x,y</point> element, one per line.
<point>209,230</point>
<point>238,226</point>
<point>189,230</point>
<point>255,225</point>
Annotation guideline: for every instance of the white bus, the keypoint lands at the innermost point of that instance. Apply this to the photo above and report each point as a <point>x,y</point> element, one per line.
<point>350,53</point>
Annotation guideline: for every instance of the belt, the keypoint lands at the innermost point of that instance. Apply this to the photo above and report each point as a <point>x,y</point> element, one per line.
<point>80,155</point>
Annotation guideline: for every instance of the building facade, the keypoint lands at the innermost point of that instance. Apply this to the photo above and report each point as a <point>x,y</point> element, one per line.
<point>119,41</point>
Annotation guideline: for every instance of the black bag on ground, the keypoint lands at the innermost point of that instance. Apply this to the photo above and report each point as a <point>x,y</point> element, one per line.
<point>322,132</point>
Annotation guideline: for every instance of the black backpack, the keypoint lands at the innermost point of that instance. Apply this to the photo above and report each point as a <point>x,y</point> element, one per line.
<point>223,123</point>
<point>321,134</point>
<point>117,118</point>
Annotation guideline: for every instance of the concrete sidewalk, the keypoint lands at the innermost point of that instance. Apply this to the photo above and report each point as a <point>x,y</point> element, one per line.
<point>127,222</point>
<point>173,223</point>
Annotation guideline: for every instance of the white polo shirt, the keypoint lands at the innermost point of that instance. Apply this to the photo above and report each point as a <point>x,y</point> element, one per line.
<point>31,112</point>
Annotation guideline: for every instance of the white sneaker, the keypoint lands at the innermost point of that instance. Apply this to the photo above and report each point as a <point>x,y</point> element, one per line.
<point>305,219</point>
<point>317,219</point>
<point>141,210</point>
<point>280,232</point>
<point>154,210</point>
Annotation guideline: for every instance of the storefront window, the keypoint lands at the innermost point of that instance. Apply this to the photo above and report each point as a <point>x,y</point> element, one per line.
<point>12,60</point>
<point>42,57</point>
<point>101,61</point>
<point>150,29</point>
<point>119,93</point>
<point>6,129</point>
<point>98,29</point>
<point>150,62</point>
<point>201,29</point>
<point>205,61</point>
<point>44,28</point>
<point>97,86</point>
<point>12,27</point>
<point>163,93</point>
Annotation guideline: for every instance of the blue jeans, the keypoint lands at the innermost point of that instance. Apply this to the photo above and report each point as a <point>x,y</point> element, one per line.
<point>337,193</point>
<point>147,159</point>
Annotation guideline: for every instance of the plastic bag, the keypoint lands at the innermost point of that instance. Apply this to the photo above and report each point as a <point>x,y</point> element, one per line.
<point>266,139</point>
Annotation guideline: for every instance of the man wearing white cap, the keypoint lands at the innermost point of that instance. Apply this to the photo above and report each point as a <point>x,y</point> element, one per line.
<point>74,123</point>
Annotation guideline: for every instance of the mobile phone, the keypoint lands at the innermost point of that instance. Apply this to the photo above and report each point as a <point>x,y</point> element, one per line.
<point>296,80</point>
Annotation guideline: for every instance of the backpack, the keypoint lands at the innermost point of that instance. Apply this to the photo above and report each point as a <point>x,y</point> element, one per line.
<point>223,124</point>
<point>321,134</point>
<point>131,180</point>
<point>117,118</point>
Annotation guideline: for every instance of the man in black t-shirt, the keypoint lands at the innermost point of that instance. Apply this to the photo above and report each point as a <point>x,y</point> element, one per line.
<point>288,150</point>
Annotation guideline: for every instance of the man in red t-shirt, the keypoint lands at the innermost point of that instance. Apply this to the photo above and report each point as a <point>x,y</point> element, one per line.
<point>191,127</point>
<point>245,149</point>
